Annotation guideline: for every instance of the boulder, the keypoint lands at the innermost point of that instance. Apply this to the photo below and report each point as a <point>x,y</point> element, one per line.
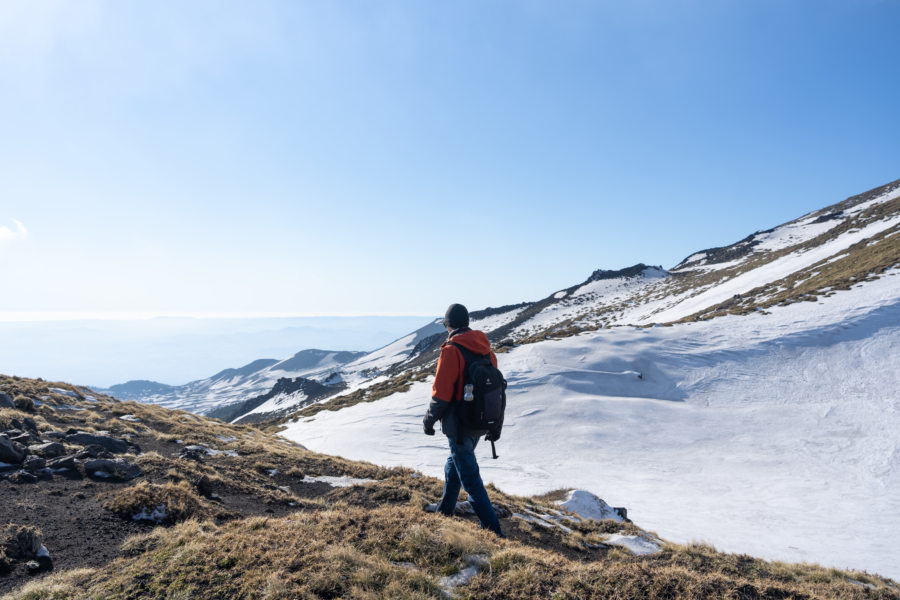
<point>34,463</point>
<point>63,462</point>
<point>25,439</point>
<point>112,444</point>
<point>192,454</point>
<point>22,477</point>
<point>24,403</point>
<point>204,486</point>
<point>120,469</point>
<point>20,541</point>
<point>30,424</point>
<point>48,450</point>
<point>94,451</point>
<point>10,452</point>
<point>54,435</point>
<point>43,559</point>
<point>6,401</point>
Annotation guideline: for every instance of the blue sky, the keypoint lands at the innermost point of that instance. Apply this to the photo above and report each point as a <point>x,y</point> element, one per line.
<point>326,158</point>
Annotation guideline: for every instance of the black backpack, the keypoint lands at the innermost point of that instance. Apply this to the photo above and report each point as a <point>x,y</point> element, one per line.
<point>485,410</point>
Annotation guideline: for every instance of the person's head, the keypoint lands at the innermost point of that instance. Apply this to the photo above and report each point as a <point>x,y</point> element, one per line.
<point>456,316</point>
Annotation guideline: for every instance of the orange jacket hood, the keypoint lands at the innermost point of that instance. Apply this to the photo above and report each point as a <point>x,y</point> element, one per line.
<point>474,340</point>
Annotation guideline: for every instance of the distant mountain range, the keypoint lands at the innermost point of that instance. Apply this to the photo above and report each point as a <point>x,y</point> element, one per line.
<point>231,386</point>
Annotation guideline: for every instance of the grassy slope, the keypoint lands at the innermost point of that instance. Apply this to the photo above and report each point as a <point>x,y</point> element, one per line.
<point>369,541</point>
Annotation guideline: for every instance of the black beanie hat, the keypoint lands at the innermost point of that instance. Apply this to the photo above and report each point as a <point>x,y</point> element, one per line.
<point>456,316</point>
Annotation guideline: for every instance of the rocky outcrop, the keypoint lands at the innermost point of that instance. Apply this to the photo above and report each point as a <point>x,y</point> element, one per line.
<point>94,451</point>
<point>24,543</point>
<point>48,450</point>
<point>34,463</point>
<point>11,452</point>
<point>112,444</point>
<point>204,486</point>
<point>6,401</point>
<point>118,469</point>
<point>24,403</point>
<point>63,462</point>
<point>22,476</point>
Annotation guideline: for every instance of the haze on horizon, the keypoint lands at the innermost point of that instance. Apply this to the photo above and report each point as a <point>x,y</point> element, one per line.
<point>176,350</point>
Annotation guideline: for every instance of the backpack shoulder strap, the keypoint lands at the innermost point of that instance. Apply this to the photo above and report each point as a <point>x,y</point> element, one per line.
<point>467,354</point>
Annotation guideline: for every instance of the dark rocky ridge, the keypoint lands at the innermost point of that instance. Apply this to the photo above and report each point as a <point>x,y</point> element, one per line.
<point>313,390</point>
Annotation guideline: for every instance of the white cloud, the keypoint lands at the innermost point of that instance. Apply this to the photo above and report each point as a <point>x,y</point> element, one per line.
<point>8,234</point>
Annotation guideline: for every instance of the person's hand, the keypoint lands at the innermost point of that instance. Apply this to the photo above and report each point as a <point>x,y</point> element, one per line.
<point>428,426</point>
<point>492,436</point>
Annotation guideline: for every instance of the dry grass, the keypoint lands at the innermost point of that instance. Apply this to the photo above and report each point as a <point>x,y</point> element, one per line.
<point>392,552</point>
<point>374,392</point>
<point>359,542</point>
<point>181,502</point>
<point>56,586</point>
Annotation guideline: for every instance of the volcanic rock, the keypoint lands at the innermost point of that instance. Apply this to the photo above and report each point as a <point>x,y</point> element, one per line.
<point>34,463</point>
<point>48,450</point>
<point>120,469</point>
<point>110,443</point>
<point>10,451</point>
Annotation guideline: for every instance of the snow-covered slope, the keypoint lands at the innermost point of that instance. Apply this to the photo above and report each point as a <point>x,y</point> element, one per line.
<point>235,385</point>
<point>776,435</point>
<point>764,418</point>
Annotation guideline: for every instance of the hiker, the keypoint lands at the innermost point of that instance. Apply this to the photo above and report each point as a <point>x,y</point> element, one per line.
<point>447,395</point>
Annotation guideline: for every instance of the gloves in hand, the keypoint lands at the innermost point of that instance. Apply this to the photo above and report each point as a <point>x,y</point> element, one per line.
<point>492,436</point>
<point>428,426</point>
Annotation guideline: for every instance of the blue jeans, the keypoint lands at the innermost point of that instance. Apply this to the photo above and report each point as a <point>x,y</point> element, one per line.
<point>461,469</point>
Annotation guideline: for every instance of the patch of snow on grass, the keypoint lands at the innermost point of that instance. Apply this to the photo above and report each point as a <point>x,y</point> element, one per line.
<point>156,515</point>
<point>341,482</point>
<point>770,272</point>
<point>130,418</point>
<point>639,546</point>
<point>211,451</point>
<point>476,563</point>
<point>588,506</point>
<point>495,321</point>
<point>887,197</point>
<point>544,520</point>
<point>793,234</point>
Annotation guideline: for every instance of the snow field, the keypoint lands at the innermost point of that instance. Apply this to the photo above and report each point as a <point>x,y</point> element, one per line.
<point>774,435</point>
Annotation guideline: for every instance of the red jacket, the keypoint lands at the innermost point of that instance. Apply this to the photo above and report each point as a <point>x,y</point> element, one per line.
<point>448,379</point>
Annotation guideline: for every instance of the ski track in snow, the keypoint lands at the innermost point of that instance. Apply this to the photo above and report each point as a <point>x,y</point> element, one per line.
<point>773,435</point>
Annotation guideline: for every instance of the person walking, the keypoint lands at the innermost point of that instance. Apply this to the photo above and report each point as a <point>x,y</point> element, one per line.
<point>461,468</point>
